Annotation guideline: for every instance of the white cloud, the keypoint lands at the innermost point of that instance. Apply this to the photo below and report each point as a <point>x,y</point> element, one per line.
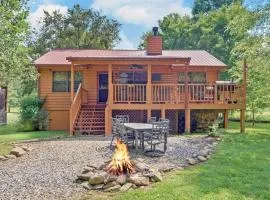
<point>125,43</point>
<point>35,17</point>
<point>145,13</point>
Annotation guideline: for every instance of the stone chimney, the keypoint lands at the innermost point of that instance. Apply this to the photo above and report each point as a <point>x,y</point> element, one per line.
<point>154,43</point>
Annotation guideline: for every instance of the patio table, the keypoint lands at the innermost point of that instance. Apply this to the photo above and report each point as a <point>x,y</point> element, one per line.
<point>138,128</point>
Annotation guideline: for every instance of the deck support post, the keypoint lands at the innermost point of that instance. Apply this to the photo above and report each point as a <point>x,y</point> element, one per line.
<point>72,82</point>
<point>225,114</point>
<point>148,85</point>
<point>163,113</point>
<point>108,110</point>
<point>108,118</point>
<point>187,120</point>
<point>148,114</point>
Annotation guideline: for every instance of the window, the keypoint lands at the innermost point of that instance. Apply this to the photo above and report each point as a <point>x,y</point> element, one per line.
<point>131,78</point>
<point>193,77</point>
<point>156,77</point>
<point>61,81</point>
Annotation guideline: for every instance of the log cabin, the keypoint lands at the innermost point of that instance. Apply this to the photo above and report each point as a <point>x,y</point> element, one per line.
<point>84,88</point>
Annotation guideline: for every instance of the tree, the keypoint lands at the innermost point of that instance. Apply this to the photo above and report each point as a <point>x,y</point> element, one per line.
<point>204,6</point>
<point>80,28</point>
<point>14,59</point>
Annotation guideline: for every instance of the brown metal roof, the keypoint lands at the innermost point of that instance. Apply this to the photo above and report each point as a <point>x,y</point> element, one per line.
<point>62,56</point>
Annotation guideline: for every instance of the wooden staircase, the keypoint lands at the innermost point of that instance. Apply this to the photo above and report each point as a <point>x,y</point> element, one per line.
<point>90,120</point>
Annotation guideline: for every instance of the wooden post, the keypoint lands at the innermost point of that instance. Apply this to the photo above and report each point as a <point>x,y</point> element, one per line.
<point>187,109</point>
<point>149,84</point>
<point>110,90</point>
<point>243,109</point>
<point>72,83</point>
<point>187,120</point>
<point>163,113</point>
<point>225,118</point>
<point>108,118</point>
<point>108,111</point>
<point>148,114</point>
<point>186,87</point>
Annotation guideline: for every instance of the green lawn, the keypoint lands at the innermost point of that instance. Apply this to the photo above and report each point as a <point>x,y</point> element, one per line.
<point>9,134</point>
<point>240,169</point>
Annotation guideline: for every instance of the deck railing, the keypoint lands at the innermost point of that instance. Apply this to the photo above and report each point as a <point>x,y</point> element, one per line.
<point>129,93</point>
<point>175,93</point>
<point>168,93</point>
<point>79,99</point>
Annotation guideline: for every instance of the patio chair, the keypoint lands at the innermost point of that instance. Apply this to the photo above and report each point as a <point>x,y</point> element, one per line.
<point>152,119</point>
<point>115,133</point>
<point>157,136</point>
<point>126,136</point>
<point>123,118</point>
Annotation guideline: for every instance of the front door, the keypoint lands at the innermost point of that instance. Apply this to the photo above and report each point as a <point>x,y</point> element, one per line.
<point>102,87</point>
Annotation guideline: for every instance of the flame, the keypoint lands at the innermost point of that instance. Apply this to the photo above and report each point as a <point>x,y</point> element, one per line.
<point>120,162</point>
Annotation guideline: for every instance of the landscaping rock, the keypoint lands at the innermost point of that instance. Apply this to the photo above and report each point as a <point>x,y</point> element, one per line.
<point>2,158</point>
<point>85,176</point>
<point>86,185</point>
<point>121,179</point>
<point>17,151</point>
<point>109,185</point>
<point>204,152</point>
<point>140,166</point>
<point>157,177</point>
<point>27,148</point>
<point>98,187</point>
<point>126,187</point>
<point>165,169</point>
<point>93,166</point>
<point>139,180</point>
<point>110,178</point>
<point>202,158</point>
<point>192,161</point>
<point>97,179</point>
<point>10,156</point>
<point>113,189</point>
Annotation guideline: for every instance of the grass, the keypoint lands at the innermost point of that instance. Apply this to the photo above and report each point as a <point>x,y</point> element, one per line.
<point>9,134</point>
<point>259,117</point>
<point>240,169</point>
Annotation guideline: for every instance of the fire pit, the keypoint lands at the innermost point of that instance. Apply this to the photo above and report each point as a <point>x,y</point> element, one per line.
<point>118,174</point>
<point>120,163</point>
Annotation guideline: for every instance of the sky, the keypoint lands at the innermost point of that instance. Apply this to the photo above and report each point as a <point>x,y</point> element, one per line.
<point>136,16</point>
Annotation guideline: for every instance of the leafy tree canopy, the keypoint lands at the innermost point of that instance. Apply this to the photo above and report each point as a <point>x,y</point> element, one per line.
<point>80,28</point>
<point>14,59</point>
<point>204,6</point>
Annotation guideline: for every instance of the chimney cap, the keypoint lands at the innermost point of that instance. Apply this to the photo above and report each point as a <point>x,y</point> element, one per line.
<point>155,30</point>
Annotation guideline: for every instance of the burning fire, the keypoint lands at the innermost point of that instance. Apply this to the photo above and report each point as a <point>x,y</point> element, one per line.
<point>120,163</point>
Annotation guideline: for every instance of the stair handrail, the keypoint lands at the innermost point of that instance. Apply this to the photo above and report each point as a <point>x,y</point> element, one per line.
<point>75,108</point>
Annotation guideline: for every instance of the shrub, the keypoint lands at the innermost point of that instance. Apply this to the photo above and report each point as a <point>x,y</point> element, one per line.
<point>214,129</point>
<point>32,114</point>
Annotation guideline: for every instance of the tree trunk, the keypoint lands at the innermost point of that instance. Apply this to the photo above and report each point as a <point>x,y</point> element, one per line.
<point>253,115</point>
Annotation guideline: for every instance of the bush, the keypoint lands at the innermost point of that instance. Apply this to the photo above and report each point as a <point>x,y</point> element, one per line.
<point>215,130</point>
<point>32,114</point>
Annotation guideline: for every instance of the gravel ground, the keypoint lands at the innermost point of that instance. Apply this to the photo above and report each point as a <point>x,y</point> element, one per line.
<point>49,171</point>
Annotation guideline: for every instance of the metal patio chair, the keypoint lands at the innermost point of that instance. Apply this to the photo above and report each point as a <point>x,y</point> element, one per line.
<point>123,118</point>
<point>157,136</point>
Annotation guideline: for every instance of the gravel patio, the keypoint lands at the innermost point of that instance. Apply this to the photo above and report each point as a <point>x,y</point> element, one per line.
<point>50,170</point>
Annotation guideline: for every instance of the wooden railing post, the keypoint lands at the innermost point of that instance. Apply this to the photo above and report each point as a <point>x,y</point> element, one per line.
<point>149,85</point>
<point>108,111</point>
<point>72,82</point>
<point>110,88</point>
